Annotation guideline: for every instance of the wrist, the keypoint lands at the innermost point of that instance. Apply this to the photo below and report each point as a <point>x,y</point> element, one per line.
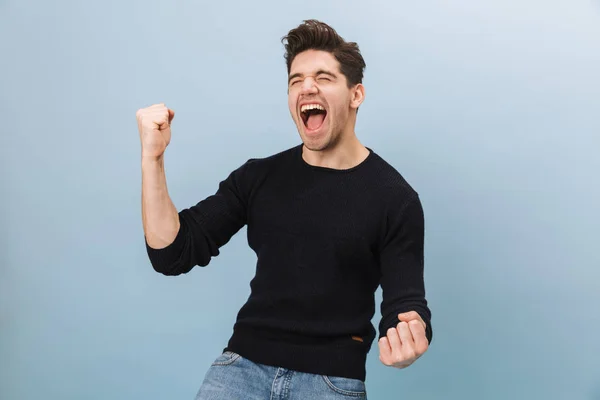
<point>146,159</point>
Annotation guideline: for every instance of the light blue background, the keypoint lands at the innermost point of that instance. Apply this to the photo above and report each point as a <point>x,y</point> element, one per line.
<point>491,110</point>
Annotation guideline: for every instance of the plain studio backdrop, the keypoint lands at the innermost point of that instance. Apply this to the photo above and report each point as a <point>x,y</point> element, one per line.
<point>491,110</point>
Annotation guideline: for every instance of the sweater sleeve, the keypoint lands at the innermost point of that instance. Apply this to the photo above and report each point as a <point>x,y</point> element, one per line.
<point>205,227</point>
<point>402,267</point>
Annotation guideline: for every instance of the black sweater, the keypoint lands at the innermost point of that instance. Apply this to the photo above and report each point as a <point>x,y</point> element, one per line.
<point>324,239</point>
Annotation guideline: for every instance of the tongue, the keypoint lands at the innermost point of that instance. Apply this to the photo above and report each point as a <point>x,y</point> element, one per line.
<point>315,121</point>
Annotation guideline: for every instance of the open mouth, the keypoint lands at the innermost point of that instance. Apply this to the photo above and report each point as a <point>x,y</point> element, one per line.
<point>313,116</point>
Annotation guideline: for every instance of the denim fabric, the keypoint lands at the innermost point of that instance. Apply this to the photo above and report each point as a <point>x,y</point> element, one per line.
<point>233,377</point>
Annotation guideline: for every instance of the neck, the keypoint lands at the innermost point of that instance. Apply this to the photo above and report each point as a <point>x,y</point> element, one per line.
<point>346,153</point>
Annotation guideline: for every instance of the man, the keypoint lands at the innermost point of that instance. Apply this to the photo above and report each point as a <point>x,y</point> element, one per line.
<point>329,220</point>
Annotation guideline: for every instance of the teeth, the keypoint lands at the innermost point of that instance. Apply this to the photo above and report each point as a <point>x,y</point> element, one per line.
<point>307,107</point>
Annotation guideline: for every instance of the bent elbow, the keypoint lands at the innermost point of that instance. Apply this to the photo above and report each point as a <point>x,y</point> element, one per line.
<point>190,248</point>
<point>174,269</point>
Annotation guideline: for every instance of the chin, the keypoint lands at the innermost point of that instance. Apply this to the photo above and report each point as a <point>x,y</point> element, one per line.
<point>319,143</point>
<point>315,146</point>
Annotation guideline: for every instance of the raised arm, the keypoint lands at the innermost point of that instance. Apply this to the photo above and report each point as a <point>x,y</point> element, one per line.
<point>178,241</point>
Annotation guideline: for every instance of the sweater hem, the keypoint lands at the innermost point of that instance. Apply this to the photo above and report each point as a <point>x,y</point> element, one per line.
<point>347,359</point>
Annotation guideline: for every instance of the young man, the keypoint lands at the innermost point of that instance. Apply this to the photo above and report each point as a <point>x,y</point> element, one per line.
<point>329,220</point>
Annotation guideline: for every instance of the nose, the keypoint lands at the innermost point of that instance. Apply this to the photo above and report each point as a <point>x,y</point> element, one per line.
<point>308,86</point>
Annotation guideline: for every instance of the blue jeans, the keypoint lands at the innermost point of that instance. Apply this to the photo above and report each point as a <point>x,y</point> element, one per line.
<point>233,377</point>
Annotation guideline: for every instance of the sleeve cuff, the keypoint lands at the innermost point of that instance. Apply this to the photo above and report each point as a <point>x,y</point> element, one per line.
<point>392,322</point>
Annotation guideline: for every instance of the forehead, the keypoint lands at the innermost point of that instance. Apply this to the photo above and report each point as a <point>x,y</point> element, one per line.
<point>313,60</point>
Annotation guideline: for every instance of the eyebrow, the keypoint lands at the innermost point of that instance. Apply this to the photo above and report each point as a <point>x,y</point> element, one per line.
<point>319,72</point>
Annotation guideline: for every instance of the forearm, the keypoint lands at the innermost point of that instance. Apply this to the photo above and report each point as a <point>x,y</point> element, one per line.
<point>402,267</point>
<point>159,215</point>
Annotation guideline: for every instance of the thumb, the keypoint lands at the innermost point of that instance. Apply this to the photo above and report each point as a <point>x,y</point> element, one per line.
<point>171,115</point>
<point>407,316</point>
<point>411,315</point>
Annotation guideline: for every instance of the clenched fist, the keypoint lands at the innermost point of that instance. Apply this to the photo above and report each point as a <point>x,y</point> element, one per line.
<point>405,343</point>
<point>154,124</point>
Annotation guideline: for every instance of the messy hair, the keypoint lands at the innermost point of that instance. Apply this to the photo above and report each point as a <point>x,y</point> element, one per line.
<point>316,35</point>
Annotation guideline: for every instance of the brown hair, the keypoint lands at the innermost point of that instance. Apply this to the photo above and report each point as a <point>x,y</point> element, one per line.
<point>316,35</point>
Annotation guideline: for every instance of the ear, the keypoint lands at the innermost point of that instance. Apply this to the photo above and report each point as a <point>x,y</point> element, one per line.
<point>358,96</point>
